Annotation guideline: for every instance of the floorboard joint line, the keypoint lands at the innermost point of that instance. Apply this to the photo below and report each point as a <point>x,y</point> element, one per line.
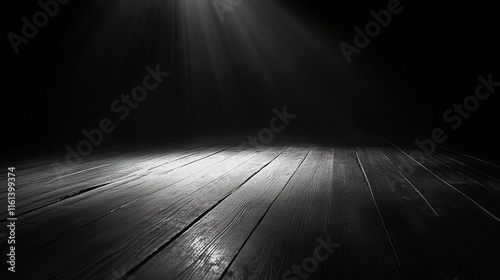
<point>109,212</point>
<point>461,163</point>
<point>448,184</point>
<point>143,170</point>
<point>218,152</point>
<point>411,184</point>
<point>380,215</point>
<point>159,249</point>
<point>71,174</point>
<point>262,218</point>
<point>458,172</point>
<point>138,175</point>
<point>98,218</point>
<point>62,198</point>
<point>481,160</point>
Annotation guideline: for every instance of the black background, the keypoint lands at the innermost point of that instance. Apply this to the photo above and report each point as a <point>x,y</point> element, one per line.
<point>427,59</point>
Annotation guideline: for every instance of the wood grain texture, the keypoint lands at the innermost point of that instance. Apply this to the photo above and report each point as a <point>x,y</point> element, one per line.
<point>217,238</point>
<point>317,206</point>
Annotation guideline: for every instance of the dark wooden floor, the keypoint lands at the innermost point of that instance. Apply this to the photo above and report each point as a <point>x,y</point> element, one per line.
<point>303,207</point>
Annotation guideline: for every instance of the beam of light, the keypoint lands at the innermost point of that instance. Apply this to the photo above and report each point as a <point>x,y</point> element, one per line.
<point>259,52</point>
<point>260,55</point>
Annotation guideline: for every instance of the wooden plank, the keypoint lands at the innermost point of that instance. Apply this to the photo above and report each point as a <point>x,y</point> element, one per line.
<point>206,249</point>
<point>288,233</point>
<point>177,170</point>
<point>353,219</point>
<point>487,196</point>
<point>407,216</point>
<point>131,229</point>
<point>474,163</point>
<point>42,170</point>
<point>255,213</point>
<point>473,152</point>
<point>466,234</point>
<point>326,198</point>
<point>34,192</point>
<point>491,185</point>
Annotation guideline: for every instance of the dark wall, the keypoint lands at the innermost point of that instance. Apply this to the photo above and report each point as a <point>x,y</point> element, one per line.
<point>428,58</point>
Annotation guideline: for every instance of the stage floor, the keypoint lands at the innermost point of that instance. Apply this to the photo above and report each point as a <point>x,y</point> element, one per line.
<point>322,206</point>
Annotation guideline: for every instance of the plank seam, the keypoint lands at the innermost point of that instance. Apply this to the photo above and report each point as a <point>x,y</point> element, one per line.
<point>448,184</point>
<point>461,163</point>
<point>380,214</point>
<point>481,160</point>
<point>263,216</point>
<point>62,199</point>
<point>159,249</point>
<point>411,184</point>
